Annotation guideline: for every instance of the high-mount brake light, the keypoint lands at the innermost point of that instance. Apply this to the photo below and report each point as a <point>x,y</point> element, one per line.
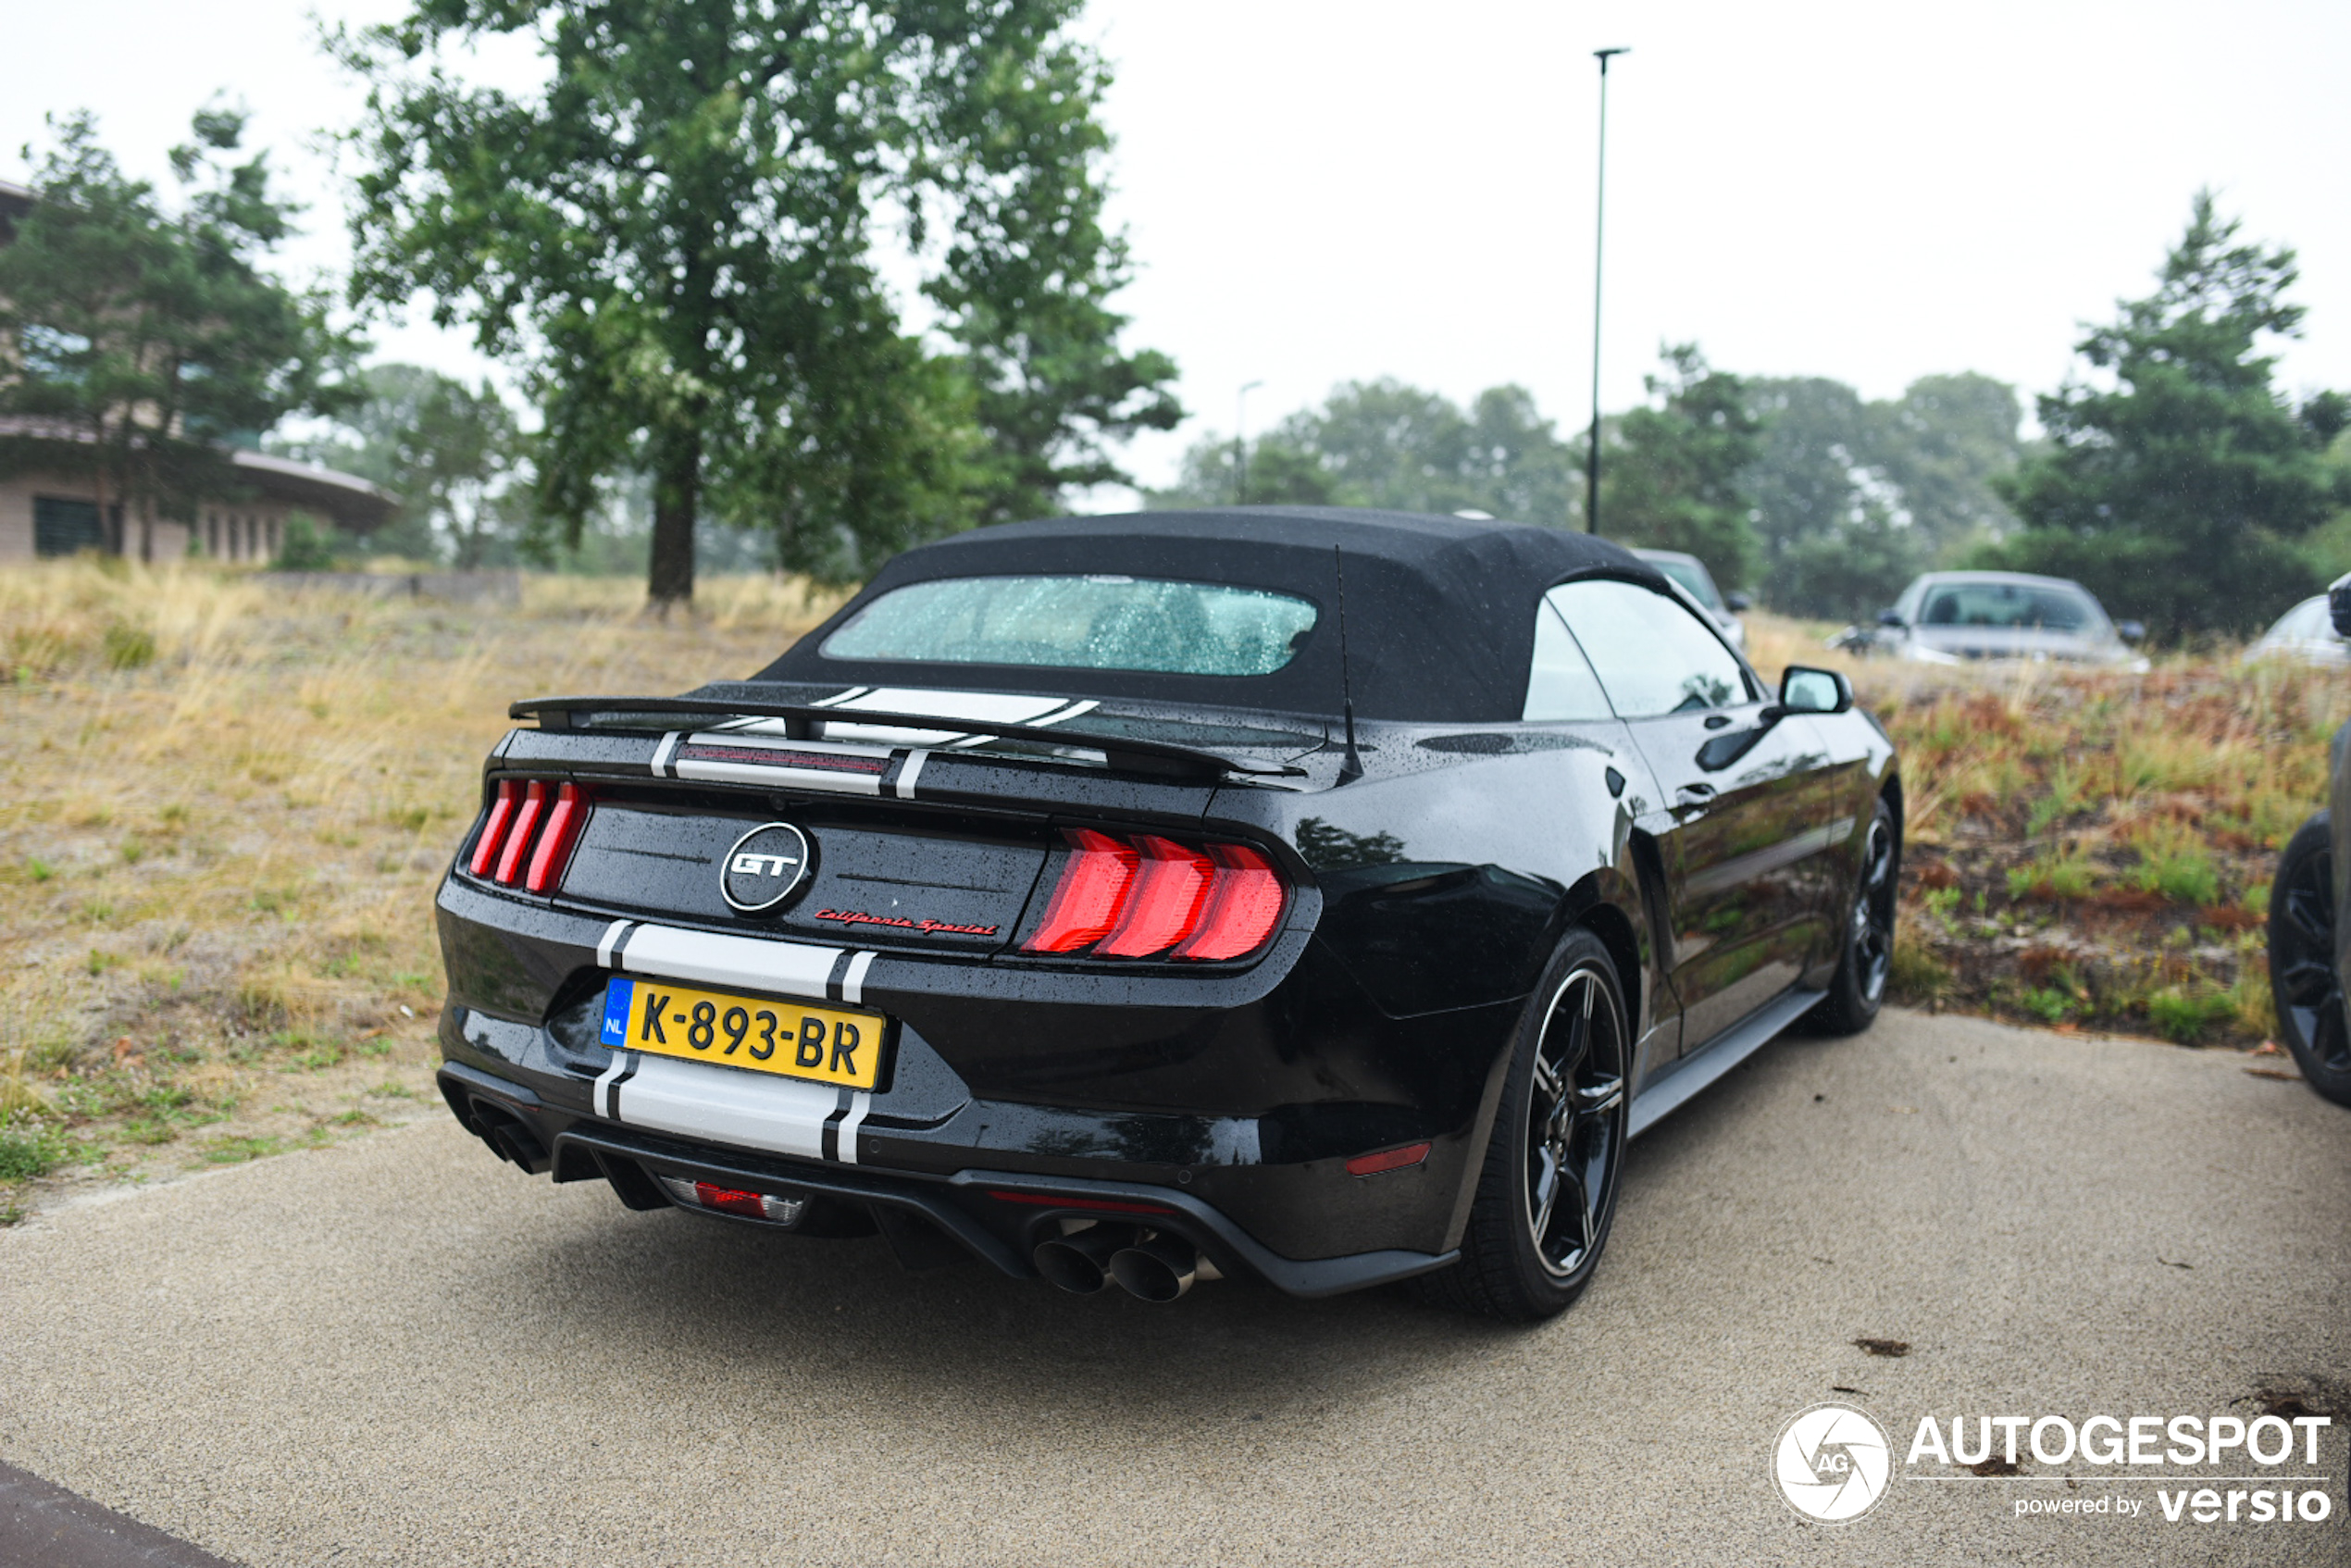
<point>1086,900</point>
<point>501,816</point>
<point>554,842</point>
<point>534,806</point>
<point>1244,905</point>
<point>1163,904</point>
<point>1144,896</point>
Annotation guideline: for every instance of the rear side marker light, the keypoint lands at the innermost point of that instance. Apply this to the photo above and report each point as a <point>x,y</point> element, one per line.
<point>1047,1201</point>
<point>1387,1160</point>
<point>1143,896</point>
<point>733,1201</point>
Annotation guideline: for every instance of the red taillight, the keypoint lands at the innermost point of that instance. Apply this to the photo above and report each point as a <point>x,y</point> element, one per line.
<point>1164,903</point>
<point>529,833</point>
<point>555,840</point>
<point>728,1201</point>
<point>1387,1160</point>
<point>534,806</point>
<point>1142,897</point>
<point>1086,901</point>
<point>1244,905</point>
<point>501,815</point>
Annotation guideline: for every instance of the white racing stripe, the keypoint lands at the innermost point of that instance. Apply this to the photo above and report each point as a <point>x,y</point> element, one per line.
<point>785,968</point>
<point>908,771</point>
<point>747,1109</point>
<point>859,1103</point>
<point>606,1100</point>
<point>853,983</point>
<point>612,933</point>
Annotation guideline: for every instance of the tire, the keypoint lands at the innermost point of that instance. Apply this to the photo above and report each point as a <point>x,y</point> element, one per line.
<point>2303,977</point>
<point>1547,1192</point>
<point>1859,988</point>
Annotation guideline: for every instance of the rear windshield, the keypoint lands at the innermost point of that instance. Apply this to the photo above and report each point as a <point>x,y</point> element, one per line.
<point>2022,606</point>
<point>1080,623</point>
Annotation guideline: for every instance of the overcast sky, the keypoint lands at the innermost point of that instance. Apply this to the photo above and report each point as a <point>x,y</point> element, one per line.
<point>1318,193</point>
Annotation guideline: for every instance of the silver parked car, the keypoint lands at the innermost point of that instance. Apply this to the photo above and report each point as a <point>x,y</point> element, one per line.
<point>1689,573</point>
<point>1948,618</point>
<point>2305,633</point>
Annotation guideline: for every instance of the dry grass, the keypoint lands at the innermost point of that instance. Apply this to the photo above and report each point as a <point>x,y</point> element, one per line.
<point>222,816</point>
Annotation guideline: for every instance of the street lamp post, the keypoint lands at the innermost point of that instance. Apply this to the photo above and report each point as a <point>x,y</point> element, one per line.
<point>1600,215</point>
<point>1240,443</point>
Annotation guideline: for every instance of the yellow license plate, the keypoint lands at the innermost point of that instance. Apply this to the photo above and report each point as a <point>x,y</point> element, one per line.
<point>794,1039</point>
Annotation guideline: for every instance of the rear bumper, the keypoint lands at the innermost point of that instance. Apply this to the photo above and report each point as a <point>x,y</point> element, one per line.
<point>916,1209</point>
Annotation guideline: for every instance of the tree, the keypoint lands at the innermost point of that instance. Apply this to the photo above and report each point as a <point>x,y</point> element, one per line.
<point>1946,444</point>
<point>2178,479</point>
<point>678,240</point>
<point>1384,443</point>
<point>137,344</point>
<point>1674,481</point>
<point>445,449</point>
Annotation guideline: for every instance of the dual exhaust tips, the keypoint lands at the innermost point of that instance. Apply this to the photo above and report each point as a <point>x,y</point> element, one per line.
<point>1152,1265</point>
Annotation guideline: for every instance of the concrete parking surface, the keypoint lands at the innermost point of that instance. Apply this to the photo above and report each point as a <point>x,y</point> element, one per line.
<point>397,1351</point>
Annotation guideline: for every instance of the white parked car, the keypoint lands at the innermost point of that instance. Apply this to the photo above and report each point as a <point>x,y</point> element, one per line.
<point>1951,618</point>
<point>2305,633</point>
<point>1690,573</point>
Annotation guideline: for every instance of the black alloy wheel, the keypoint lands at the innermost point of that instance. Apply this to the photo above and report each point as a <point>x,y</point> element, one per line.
<point>1547,1190</point>
<point>1859,988</point>
<point>2303,977</point>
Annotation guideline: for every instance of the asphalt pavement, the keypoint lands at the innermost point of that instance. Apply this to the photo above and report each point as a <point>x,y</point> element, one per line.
<point>397,1351</point>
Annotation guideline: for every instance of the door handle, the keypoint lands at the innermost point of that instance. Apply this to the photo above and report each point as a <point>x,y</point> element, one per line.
<point>1696,792</point>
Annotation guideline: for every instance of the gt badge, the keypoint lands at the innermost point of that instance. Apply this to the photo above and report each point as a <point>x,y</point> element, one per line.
<point>767,866</point>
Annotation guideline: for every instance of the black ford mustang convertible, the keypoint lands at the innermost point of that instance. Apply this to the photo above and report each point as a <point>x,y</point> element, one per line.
<point>1319,896</point>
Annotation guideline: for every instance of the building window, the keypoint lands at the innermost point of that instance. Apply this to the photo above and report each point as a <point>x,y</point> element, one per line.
<point>61,527</point>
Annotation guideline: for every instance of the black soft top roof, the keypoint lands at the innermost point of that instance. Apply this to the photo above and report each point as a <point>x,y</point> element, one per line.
<point>1440,611</point>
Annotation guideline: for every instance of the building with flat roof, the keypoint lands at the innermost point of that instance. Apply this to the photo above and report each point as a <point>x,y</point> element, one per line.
<point>49,502</point>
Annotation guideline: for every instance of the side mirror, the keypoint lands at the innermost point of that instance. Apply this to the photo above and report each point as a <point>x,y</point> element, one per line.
<point>1806,691</point>
<point>2130,631</point>
<point>1739,603</point>
<point>1890,617</point>
<point>2339,604</point>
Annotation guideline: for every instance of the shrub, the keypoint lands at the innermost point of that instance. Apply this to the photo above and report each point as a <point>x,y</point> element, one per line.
<point>2183,1014</point>
<point>30,1149</point>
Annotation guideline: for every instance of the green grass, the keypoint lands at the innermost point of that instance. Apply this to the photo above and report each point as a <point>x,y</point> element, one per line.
<point>2053,877</point>
<point>2184,1015</point>
<point>236,1150</point>
<point>30,1150</point>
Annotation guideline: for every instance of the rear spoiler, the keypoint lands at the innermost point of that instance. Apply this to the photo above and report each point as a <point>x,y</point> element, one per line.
<point>803,723</point>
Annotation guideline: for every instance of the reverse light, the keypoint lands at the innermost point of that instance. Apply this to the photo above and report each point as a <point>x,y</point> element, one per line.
<point>734,1201</point>
<point>1143,896</point>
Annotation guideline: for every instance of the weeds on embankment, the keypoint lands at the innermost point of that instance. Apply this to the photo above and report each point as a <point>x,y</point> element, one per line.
<point>2094,849</point>
<point>222,813</point>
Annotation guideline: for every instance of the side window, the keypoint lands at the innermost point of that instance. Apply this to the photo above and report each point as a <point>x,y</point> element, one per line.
<point>1561,685</point>
<point>1651,654</point>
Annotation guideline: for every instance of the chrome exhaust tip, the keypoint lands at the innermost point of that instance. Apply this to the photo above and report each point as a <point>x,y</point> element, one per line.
<point>1156,1268</point>
<point>1076,1262</point>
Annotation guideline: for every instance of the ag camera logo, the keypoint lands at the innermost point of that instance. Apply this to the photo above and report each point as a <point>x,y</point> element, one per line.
<point>1833,1463</point>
